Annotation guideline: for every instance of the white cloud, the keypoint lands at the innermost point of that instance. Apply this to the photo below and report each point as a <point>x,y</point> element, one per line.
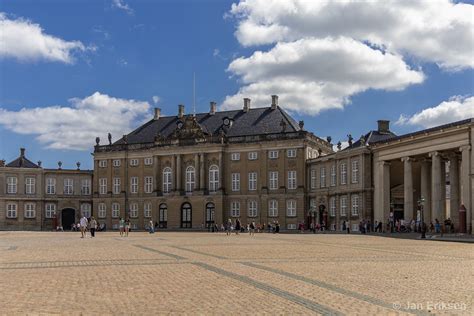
<point>120,4</point>
<point>156,99</point>
<point>455,109</point>
<point>75,127</point>
<point>312,74</point>
<point>26,41</point>
<point>324,52</point>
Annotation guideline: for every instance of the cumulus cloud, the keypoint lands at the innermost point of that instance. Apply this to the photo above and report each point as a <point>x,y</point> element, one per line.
<point>120,4</point>
<point>26,41</point>
<point>75,127</point>
<point>323,52</point>
<point>455,109</point>
<point>156,99</point>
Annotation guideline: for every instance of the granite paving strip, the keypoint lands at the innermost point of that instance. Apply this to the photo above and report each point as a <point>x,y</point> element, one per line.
<point>200,252</point>
<point>76,264</point>
<point>331,287</point>
<point>313,306</point>
<point>161,252</point>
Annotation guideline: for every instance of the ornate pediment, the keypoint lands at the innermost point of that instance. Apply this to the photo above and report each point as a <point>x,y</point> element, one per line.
<point>188,129</point>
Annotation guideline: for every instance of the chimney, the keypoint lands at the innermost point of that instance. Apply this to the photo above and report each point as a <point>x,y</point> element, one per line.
<point>180,111</point>
<point>39,163</point>
<point>274,102</point>
<point>383,126</point>
<point>213,108</point>
<point>22,152</point>
<point>157,114</point>
<point>246,104</point>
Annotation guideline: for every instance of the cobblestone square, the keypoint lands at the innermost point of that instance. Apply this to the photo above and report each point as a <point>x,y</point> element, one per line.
<point>211,273</point>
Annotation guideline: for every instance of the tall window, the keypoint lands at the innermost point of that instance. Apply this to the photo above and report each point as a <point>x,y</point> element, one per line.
<point>116,163</point>
<point>355,171</point>
<point>148,184</point>
<point>291,179</point>
<point>313,178</point>
<point>190,179</point>
<point>252,181</point>
<point>344,205</point>
<point>163,216</point>
<point>235,181</point>
<point>343,173</point>
<point>134,162</point>
<point>291,208</point>
<point>323,177</point>
<point>103,186</point>
<point>291,153</point>
<point>133,210</point>
<point>355,205</point>
<point>332,206</point>
<point>30,185</point>
<point>86,186</point>
<point>273,208</point>
<point>167,180</point>
<point>253,155</point>
<point>12,210</point>
<point>235,209</point>
<point>49,210</point>
<point>134,185</point>
<point>30,210</point>
<point>147,210</point>
<point>102,163</point>
<point>273,154</point>
<point>86,210</point>
<point>273,185</point>
<point>252,208</point>
<point>50,185</point>
<point>102,211</point>
<point>333,175</point>
<point>68,186</point>
<point>148,161</point>
<point>116,187</point>
<point>12,183</point>
<point>115,210</point>
<point>213,178</point>
<point>235,156</point>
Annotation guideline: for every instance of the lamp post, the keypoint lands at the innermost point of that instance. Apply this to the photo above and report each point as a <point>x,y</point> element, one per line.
<point>421,203</point>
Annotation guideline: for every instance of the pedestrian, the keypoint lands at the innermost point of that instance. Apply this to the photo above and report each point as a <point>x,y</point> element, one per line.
<point>127,226</point>
<point>93,226</point>
<point>229,227</point>
<point>344,226</point>
<point>437,226</point>
<point>121,226</point>
<point>152,228</point>
<point>83,226</point>
<point>277,227</point>
<point>237,226</point>
<point>369,226</point>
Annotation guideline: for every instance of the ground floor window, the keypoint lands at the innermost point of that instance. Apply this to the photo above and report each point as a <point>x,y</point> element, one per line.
<point>134,210</point>
<point>11,210</point>
<point>163,216</point>
<point>30,210</point>
<point>50,210</point>
<point>210,210</point>
<point>147,210</point>
<point>235,209</point>
<point>86,210</point>
<point>102,212</point>
<point>291,226</point>
<point>355,227</point>
<point>186,216</point>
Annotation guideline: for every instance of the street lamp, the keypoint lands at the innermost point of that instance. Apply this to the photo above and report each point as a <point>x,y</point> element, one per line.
<point>421,203</point>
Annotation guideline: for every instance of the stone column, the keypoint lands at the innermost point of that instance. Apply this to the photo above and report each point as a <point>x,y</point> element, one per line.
<point>408,188</point>
<point>202,176</point>
<point>426,188</point>
<point>383,196</point>
<point>443,189</point>
<point>173,176</point>
<point>221,172</point>
<point>436,190</point>
<point>466,194</point>
<point>197,173</point>
<point>178,172</point>
<point>454,186</point>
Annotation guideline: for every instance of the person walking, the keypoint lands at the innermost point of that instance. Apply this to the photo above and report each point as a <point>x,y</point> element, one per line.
<point>252,229</point>
<point>152,228</point>
<point>93,226</point>
<point>237,226</point>
<point>83,226</point>
<point>127,227</point>
<point>121,226</point>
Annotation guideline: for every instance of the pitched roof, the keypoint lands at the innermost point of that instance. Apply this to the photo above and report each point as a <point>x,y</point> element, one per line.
<point>22,162</point>
<point>372,137</point>
<point>256,121</point>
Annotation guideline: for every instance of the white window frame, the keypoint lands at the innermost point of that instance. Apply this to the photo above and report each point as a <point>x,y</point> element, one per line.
<point>115,210</point>
<point>273,208</point>
<point>102,210</point>
<point>86,186</point>
<point>12,185</point>
<point>190,178</point>
<point>147,208</point>
<point>148,161</point>
<point>355,171</point>
<point>343,205</point>
<point>213,178</point>
<point>355,203</point>
<point>29,210</point>
<point>30,185</point>
<point>117,185</point>
<point>12,210</point>
<point>49,210</point>
<point>68,186</point>
<point>148,184</point>
<point>291,226</point>
<point>322,177</point>
<point>167,179</point>
<point>273,154</point>
<point>116,162</point>
<point>273,180</point>
<point>235,209</point>
<point>50,185</point>
<point>252,208</point>
<point>333,175</point>
<point>86,210</point>
<point>235,182</point>
<point>134,162</point>
<point>292,180</point>
<point>133,210</point>
<point>313,178</point>
<point>103,186</point>
<point>343,173</point>
<point>332,206</point>
<point>291,208</point>
<point>133,184</point>
<point>102,163</point>
<point>235,156</point>
<point>291,153</point>
<point>252,155</point>
<point>253,181</point>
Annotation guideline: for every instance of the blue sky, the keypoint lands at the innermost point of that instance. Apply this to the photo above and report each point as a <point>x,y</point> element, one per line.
<point>130,51</point>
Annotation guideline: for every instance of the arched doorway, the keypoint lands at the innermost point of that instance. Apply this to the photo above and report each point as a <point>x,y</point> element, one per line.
<point>163,216</point>
<point>210,210</point>
<point>186,215</point>
<point>68,217</point>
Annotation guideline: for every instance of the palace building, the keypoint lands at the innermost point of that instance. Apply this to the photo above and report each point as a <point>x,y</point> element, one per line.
<point>190,171</point>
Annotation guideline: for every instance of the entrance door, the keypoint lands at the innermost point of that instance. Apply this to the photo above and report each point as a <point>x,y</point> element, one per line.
<point>186,215</point>
<point>210,209</point>
<point>68,217</point>
<point>163,220</point>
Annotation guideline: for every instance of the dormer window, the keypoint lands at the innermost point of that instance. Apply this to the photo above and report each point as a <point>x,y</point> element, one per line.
<point>227,122</point>
<point>179,124</point>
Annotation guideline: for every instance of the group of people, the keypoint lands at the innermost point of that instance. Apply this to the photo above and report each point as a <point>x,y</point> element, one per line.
<point>237,227</point>
<point>124,226</point>
<point>86,224</point>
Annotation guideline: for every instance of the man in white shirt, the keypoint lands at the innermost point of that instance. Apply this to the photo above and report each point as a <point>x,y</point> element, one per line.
<point>83,223</point>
